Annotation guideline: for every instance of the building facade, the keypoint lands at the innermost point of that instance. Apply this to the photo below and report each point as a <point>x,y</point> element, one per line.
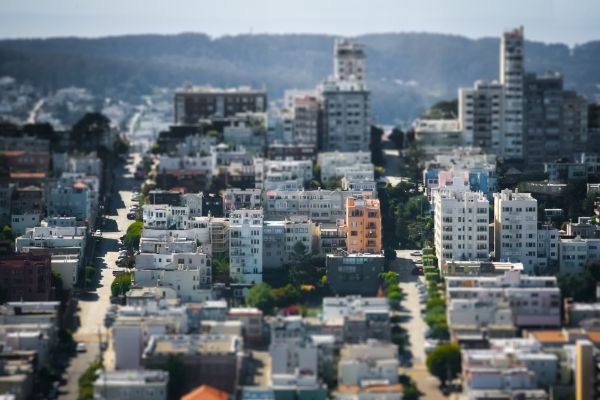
<point>461,220</point>
<point>246,246</point>
<point>515,228</point>
<point>363,225</point>
<point>193,104</point>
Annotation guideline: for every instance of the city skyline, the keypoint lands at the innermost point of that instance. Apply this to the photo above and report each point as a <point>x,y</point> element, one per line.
<point>555,21</point>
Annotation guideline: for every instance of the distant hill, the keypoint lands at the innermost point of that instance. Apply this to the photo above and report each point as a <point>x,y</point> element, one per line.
<point>407,72</point>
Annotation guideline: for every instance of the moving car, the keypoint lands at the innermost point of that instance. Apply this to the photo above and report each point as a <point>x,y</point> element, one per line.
<point>81,347</point>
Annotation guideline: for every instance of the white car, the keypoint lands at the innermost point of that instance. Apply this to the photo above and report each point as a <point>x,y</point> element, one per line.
<point>98,232</point>
<point>81,347</point>
<point>416,253</point>
<point>430,345</point>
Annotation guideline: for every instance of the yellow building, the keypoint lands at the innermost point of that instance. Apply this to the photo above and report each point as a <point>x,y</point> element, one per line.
<point>363,225</point>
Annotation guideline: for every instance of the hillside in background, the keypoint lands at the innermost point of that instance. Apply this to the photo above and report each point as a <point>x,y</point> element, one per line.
<point>407,72</point>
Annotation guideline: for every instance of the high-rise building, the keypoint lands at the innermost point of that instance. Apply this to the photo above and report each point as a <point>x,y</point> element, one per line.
<point>511,76</point>
<point>460,225</point>
<point>555,120</point>
<point>245,246</point>
<point>193,104</point>
<point>346,101</point>
<point>346,116</point>
<point>543,99</point>
<point>306,120</point>
<point>363,225</point>
<point>515,228</point>
<point>481,115</point>
<point>350,61</point>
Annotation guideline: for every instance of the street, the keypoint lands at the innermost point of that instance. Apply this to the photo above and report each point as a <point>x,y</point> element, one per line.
<point>94,302</point>
<point>415,325</point>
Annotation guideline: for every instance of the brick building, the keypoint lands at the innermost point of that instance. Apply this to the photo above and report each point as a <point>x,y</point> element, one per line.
<point>25,277</point>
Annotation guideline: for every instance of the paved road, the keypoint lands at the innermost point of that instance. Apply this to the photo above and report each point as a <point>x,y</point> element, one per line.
<point>94,303</point>
<point>415,326</point>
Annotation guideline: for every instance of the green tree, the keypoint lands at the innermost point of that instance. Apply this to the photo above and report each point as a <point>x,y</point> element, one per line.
<point>334,183</point>
<point>87,133</point>
<point>375,146</point>
<point>174,366</point>
<point>286,296</point>
<point>409,388</point>
<point>220,268</point>
<point>7,233</point>
<point>56,281</point>
<point>443,110</point>
<point>444,362</point>
<point>261,297</point>
<point>132,237</point>
<point>86,381</point>
<point>397,137</point>
<point>120,284</point>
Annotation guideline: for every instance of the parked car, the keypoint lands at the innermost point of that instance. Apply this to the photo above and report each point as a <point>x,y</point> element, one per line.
<point>430,345</point>
<point>416,253</point>
<point>131,215</point>
<point>98,232</point>
<point>81,347</point>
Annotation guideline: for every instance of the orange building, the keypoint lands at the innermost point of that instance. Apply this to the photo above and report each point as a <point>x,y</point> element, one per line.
<point>363,225</point>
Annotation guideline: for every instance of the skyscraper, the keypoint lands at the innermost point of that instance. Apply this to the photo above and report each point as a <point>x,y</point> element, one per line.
<point>511,75</point>
<point>346,101</point>
<point>350,61</point>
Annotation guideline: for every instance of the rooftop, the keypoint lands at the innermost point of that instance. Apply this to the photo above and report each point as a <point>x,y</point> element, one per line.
<point>192,344</point>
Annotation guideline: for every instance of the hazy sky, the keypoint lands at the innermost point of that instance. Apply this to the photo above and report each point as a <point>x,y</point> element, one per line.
<point>568,21</point>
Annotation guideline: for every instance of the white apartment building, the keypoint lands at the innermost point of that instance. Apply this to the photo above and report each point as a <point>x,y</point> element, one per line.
<point>88,164</point>
<point>511,298</point>
<point>333,163</point>
<point>350,61</point>
<point>245,246</point>
<point>196,145</point>
<point>163,216</point>
<point>188,274</point>
<point>280,237</point>
<point>339,308</point>
<point>548,239</point>
<point>512,70</point>
<point>235,199</point>
<point>318,205</point>
<point>438,133</point>
<point>68,267</point>
<point>134,325</point>
<point>372,360</point>
<point>74,195</point>
<point>193,201</point>
<point>131,385</point>
<point>168,164</point>
<point>284,174</point>
<point>346,115</point>
<point>508,362</point>
<point>515,228</point>
<point>290,349</point>
<point>481,115</point>
<point>20,222</point>
<point>461,225</point>
<point>160,242</point>
<point>59,240</point>
<point>576,252</point>
<point>280,125</point>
